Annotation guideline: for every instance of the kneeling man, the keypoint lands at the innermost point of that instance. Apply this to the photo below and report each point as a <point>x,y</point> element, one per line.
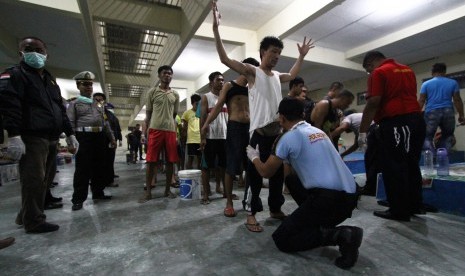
<point>323,178</point>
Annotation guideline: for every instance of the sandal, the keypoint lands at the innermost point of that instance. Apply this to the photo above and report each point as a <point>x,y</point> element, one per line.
<point>254,227</point>
<point>229,212</point>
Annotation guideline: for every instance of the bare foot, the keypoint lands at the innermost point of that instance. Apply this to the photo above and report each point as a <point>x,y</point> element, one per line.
<point>146,198</point>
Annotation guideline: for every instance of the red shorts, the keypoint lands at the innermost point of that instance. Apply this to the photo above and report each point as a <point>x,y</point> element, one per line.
<point>159,139</point>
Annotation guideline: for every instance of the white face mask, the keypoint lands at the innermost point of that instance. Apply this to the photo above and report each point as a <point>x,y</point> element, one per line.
<point>35,60</point>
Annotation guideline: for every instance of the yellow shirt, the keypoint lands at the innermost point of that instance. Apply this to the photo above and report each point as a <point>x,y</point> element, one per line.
<point>193,127</point>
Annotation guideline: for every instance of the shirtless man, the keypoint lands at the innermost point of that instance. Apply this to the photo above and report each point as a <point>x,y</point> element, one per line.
<point>264,97</point>
<point>235,95</point>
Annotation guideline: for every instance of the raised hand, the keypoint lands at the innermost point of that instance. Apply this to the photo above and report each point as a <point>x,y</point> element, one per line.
<point>216,14</point>
<point>306,46</point>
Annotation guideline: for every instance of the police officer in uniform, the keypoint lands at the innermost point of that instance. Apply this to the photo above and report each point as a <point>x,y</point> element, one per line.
<point>34,116</point>
<point>110,151</point>
<point>90,123</point>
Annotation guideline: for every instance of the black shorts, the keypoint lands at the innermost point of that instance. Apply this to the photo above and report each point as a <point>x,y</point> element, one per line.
<point>215,153</point>
<point>193,150</point>
<point>236,141</point>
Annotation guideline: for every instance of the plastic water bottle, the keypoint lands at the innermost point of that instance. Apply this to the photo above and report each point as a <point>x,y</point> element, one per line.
<point>443,162</point>
<point>340,145</point>
<point>428,165</point>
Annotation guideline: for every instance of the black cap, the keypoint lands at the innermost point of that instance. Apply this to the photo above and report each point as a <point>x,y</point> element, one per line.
<point>291,107</point>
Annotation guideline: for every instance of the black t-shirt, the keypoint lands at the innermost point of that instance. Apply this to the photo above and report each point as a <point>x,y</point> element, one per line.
<point>137,135</point>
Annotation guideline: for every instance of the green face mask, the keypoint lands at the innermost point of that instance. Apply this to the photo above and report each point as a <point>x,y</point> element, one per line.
<point>35,60</point>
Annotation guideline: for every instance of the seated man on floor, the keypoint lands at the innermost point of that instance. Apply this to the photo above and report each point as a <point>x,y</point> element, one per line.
<point>325,180</point>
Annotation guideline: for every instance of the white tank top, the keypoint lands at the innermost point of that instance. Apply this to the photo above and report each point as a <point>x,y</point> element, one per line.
<point>264,98</point>
<point>217,128</point>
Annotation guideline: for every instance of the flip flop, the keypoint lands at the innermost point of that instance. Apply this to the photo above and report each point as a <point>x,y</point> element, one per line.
<point>229,212</point>
<point>254,227</point>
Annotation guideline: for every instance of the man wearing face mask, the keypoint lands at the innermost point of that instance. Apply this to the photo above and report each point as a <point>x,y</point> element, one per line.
<point>34,117</point>
<point>110,151</point>
<point>90,123</point>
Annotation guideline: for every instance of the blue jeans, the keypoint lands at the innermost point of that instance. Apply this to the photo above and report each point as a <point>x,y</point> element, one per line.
<point>443,118</point>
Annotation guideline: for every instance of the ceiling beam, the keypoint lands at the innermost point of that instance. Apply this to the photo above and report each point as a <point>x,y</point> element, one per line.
<point>294,16</point>
<point>137,14</point>
<point>90,27</point>
<point>127,79</point>
<point>194,13</point>
<point>124,100</point>
<point>409,31</point>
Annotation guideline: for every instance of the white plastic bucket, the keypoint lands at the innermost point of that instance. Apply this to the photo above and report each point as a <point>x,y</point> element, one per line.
<point>189,184</point>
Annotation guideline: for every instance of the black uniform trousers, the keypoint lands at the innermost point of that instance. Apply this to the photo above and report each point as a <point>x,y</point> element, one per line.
<point>89,165</point>
<point>401,141</point>
<point>372,167</point>
<point>320,209</point>
<point>34,169</point>
<point>109,164</point>
<point>255,181</point>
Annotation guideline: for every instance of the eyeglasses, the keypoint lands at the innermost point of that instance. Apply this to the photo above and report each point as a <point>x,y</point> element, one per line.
<point>86,83</point>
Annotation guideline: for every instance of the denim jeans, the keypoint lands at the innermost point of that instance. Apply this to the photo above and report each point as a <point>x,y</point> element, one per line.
<point>443,118</point>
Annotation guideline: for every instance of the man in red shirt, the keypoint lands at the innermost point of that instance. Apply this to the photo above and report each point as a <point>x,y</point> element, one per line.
<point>392,103</point>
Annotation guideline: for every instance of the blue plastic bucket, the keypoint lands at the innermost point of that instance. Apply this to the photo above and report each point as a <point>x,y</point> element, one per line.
<point>189,184</point>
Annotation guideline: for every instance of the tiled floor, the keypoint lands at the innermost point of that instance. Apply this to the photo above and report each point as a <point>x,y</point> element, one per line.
<point>182,237</point>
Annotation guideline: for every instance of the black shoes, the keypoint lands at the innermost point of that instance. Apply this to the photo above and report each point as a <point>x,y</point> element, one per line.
<point>55,199</point>
<point>113,185</point>
<point>43,228</point>
<point>53,205</point>
<point>115,176</point>
<point>76,206</point>
<point>105,197</point>
<point>389,215</point>
<point>349,240</point>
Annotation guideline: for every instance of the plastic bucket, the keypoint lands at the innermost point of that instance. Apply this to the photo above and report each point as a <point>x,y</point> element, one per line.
<point>68,158</point>
<point>60,159</point>
<point>189,184</point>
